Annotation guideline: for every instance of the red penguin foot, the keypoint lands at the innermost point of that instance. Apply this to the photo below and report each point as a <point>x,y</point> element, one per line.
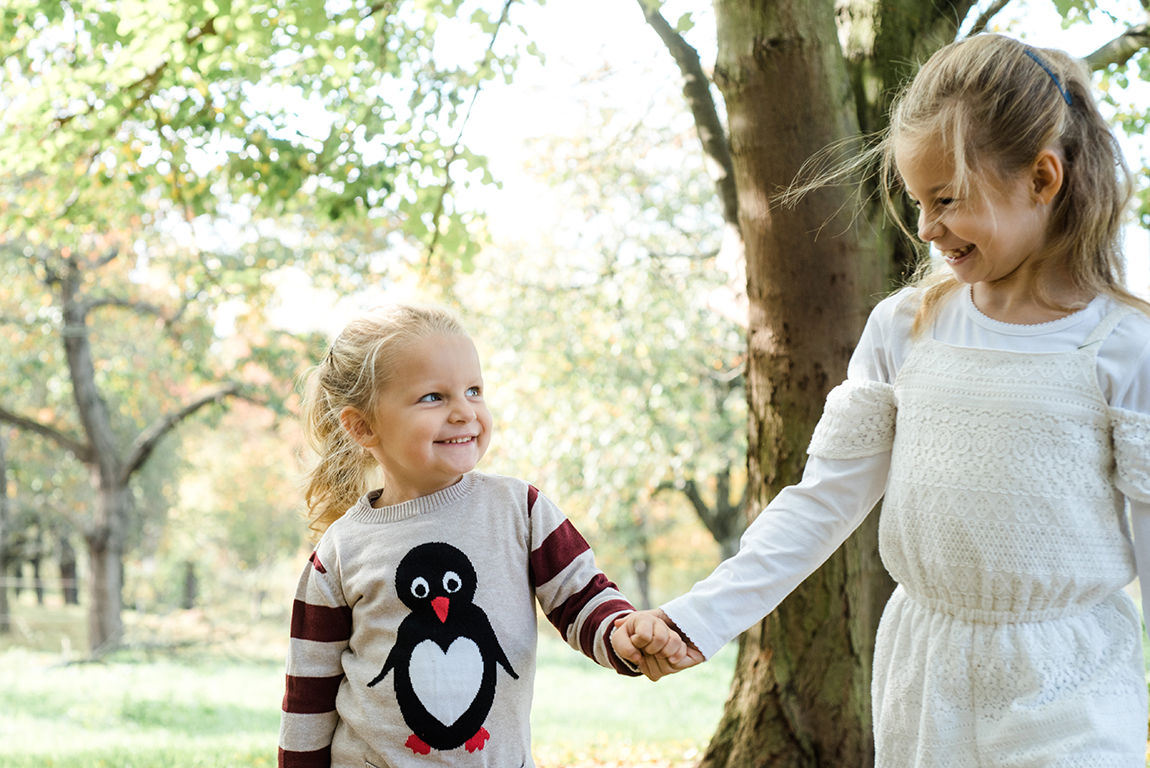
<point>417,745</point>
<point>476,742</point>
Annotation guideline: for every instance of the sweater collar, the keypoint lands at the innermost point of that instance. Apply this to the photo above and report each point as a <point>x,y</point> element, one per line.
<point>363,511</point>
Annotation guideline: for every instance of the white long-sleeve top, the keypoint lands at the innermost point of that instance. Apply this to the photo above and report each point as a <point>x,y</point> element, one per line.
<point>807,522</point>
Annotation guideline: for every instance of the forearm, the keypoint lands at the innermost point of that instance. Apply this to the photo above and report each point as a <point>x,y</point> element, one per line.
<point>792,537</point>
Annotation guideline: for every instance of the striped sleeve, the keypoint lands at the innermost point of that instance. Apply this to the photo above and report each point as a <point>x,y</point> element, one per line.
<point>320,632</point>
<point>578,599</point>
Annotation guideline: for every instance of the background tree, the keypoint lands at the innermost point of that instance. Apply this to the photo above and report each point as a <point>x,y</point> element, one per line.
<point>117,118</point>
<point>124,400</point>
<point>797,78</point>
<point>641,381</point>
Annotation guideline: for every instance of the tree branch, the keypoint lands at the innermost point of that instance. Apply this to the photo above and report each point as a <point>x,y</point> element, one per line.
<point>139,307</point>
<point>82,451</point>
<point>983,20</point>
<point>1121,49</point>
<point>697,91</point>
<point>453,153</point>
<point>146,441</point>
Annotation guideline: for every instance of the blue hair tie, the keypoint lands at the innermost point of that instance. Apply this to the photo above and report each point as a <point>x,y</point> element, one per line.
<point>1054,77</point>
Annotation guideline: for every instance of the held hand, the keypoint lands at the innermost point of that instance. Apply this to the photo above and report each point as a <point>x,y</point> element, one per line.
<point>636,632</point>
<point>651,641</point>
<point>655,667</point>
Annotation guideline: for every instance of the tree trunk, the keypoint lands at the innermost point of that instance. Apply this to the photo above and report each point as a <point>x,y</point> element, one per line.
<point>642,568</point>
<point>801,690</point>
<point>37,579</point>
<point>105,559</point>
<point>191,586</point>
<point>69,573</point>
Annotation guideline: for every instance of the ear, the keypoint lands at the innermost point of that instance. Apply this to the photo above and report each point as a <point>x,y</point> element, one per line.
<point>1046,176</point>
<point>357,426</point>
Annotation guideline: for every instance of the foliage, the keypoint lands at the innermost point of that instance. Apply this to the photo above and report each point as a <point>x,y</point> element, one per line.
<point>339,110</point>
<point>611,374</point>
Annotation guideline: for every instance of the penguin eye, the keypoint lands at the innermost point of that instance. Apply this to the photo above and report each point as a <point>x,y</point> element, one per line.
<point>420,588</point>
<point>452,582</point>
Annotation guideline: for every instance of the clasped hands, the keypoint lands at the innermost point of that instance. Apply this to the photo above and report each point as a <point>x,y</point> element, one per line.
<point>652,642</point>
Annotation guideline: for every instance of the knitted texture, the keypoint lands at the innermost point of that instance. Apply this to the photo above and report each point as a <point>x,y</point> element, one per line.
<point>413,631</point>
<point>1008,641</point>
<point>857,421</point>
<point>1132,452</point>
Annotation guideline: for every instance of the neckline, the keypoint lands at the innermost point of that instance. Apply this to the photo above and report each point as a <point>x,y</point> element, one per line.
<point>364,512</point>
<point>977,316</point>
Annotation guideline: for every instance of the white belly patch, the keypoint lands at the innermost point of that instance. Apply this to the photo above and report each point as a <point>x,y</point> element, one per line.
<point>446,683</point>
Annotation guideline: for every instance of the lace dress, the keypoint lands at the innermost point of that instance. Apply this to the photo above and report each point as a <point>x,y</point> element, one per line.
<point>1008,641</point>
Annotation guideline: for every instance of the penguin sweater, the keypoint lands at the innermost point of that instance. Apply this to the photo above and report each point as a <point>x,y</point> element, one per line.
<point>413,630</point>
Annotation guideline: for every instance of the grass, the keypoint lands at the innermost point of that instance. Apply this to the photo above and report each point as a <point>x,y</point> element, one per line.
<point>215,701</point>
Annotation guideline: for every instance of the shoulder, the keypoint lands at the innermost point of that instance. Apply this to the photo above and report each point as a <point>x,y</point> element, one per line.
<point>894,315</point>
<point>500,485</point>
<point>1135,324</point>
<point>886,339</point>
<point>1124,362</point>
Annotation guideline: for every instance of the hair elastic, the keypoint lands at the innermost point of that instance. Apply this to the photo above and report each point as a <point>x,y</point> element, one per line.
<point>1054,77</point>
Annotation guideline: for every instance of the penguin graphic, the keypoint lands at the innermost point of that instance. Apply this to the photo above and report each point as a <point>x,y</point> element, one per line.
<point>445,652</point>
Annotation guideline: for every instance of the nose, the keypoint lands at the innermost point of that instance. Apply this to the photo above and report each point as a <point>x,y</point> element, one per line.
<point>928,228</point>
<point>463,412</point>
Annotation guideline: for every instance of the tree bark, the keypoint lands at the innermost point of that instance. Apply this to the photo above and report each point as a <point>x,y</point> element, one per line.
<point>105,562</point>
<point>111,469</point>
<point>795,84</point>
<point>801,690</point>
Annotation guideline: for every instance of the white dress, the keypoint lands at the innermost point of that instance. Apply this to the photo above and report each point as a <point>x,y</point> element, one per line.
<point>1008,641</point>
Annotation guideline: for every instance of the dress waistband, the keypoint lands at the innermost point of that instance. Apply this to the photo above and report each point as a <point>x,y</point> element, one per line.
<point>982,616</point>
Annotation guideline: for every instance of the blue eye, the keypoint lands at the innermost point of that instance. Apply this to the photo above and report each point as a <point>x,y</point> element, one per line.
<point>430,398</point>
<point>473,392</point>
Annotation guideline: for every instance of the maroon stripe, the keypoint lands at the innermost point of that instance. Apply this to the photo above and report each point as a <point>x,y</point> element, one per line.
<point>314,560</point>
<point>532,495</point>
<point>320,623</point>
<point>591,625</point>
<point>563,545</point>
<point>321,758</point>
<point>565,614</point>
<point>310,695</point>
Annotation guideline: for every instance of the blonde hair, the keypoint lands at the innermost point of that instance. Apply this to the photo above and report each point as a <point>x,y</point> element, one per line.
<point>992,105</point>
<point>359,364</point>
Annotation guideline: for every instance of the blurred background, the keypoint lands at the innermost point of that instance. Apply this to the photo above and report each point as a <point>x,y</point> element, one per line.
<point>195,196</point>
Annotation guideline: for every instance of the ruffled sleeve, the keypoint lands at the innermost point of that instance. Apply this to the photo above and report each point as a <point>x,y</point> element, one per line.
<point>1131,430</point>
<point>857,421</point>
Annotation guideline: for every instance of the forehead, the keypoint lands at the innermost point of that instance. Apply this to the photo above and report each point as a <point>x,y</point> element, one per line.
<point>439,358</point>
<point>924,171</point>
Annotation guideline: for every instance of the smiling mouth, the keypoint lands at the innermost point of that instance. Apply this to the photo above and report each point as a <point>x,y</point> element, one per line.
<point>958,253</point>
<point>458,440</point>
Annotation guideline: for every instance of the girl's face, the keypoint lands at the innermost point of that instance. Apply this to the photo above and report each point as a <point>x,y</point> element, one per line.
<point>430,424</point>
<point>990,234</point>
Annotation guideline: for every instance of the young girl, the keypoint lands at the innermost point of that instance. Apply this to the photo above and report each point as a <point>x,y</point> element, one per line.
<point>1002,405</point>
<point>413,632</point>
